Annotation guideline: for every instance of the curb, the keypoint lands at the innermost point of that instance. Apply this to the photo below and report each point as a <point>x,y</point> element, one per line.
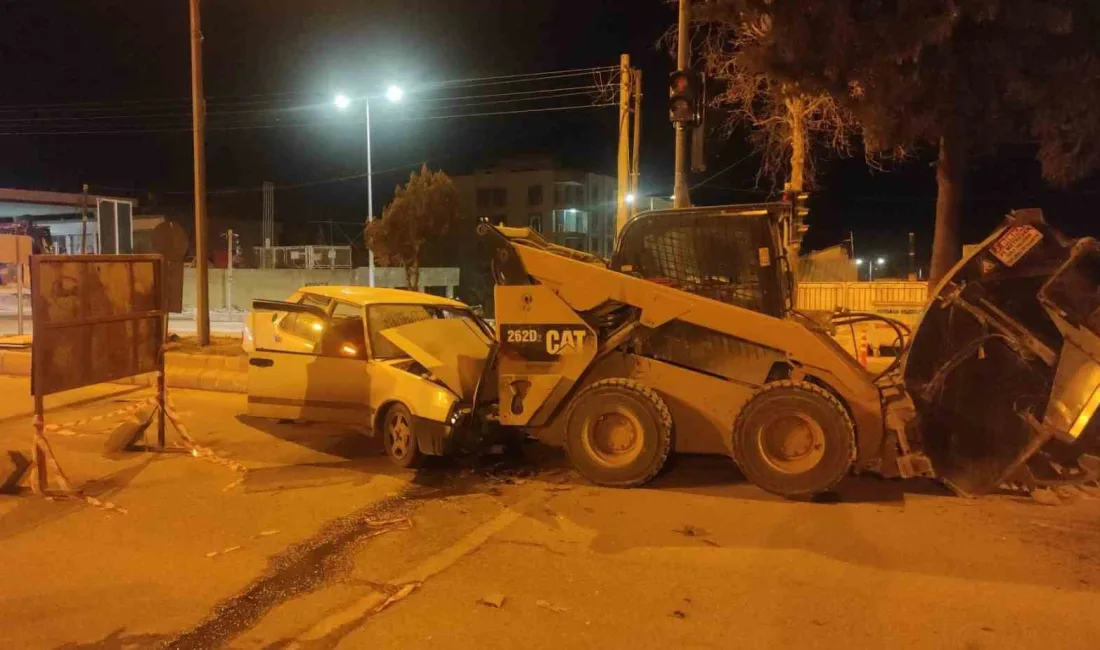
<point>192,371</point>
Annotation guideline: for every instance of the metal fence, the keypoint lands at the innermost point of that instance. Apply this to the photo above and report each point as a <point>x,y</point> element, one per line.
<point>881,297</point>
<point>304,257</point>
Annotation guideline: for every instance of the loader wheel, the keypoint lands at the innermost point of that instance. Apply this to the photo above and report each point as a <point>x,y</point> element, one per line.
<point>618,433</point>
<point>399,438</point>
<point>794,439</point>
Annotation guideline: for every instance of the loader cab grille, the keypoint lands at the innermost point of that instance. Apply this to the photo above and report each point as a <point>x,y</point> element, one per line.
<point>725,254</point>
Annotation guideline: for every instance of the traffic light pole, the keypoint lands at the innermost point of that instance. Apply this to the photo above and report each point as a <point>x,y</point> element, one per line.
<point>680,193</point>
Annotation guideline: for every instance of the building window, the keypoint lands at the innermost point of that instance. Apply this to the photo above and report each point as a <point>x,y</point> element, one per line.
<point>534,221</point>
<point>484,197</point>
<point>570,221</point>
<point>500,197</point>
<point>534,195</point>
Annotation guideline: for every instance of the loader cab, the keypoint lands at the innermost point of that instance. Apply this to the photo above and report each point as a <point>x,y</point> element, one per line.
<point>730,254</point>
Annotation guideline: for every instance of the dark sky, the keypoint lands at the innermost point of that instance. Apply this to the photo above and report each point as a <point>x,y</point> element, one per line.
<point>296,54</point>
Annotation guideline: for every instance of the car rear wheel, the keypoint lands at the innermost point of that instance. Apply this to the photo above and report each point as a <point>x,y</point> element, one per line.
<point>399,437</point>
<point>794,439</point>
<point>618,433</point>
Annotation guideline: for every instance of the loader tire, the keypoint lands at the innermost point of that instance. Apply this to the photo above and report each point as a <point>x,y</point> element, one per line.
<point>794,439</point>
<point>618,433</point>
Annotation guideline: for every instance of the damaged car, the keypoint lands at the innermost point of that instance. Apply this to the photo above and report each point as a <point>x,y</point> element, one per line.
<point>406,366</point>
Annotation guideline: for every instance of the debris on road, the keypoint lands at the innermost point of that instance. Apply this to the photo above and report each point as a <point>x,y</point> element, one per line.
<point>1046,497</point>
<point>678,613</point>
<point>691,531</point>
<point>557,609</point>
<point>398,595</point>
<point>492,600</point>
<point>267,533</point>
<point>223,552</point>
<point>711,542</point>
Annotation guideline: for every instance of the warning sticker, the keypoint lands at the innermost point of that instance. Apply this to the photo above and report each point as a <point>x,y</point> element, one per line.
<point>1015,243</point>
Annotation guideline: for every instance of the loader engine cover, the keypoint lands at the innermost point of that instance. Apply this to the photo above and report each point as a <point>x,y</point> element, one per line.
<point>984,360</point>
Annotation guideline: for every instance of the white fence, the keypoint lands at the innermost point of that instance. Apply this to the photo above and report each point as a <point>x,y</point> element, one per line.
<point>878,297</point>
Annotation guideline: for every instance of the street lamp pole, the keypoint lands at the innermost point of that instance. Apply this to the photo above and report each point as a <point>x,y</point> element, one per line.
<point>370,198</point>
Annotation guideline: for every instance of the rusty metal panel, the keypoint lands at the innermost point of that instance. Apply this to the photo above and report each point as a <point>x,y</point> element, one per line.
<point>96,318</point>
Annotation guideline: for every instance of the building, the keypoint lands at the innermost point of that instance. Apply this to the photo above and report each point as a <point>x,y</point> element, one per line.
<point>63,215</point>
<point>569,207</point>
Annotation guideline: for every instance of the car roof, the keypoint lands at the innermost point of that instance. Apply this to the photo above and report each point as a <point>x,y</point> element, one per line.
<point>378,295</point>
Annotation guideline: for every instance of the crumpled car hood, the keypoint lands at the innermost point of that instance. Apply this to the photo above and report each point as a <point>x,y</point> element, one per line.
<point>454,350</point>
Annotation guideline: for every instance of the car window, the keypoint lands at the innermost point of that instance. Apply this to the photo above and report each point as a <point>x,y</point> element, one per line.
<point>384,317</point>
<point>315,300</point>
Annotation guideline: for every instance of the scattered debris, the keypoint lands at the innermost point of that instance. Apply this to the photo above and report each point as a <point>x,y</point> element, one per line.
<point>492,600</point>
<point>677,613</point>
<point>557,609</point>
<point>400,594</point>
<point>223,552</point>
<point>558,488</point>
<point>711,542</point>
<point>691,531</point>
<point>267,533</point>
<point>1046,497</point>
<point>234,484</point>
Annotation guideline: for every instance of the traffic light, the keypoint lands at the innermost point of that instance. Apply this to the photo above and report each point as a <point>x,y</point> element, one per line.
<point>685,97</point>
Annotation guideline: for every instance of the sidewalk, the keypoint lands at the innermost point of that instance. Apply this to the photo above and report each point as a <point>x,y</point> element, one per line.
<point>222,367</point>
<point>194,534</point>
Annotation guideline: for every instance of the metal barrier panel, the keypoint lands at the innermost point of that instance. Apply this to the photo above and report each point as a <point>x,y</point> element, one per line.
<point>96,318</point>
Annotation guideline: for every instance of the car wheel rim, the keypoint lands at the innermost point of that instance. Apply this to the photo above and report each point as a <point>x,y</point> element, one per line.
<point>399,435</point>
<point>613,439</point>
<point>791,442</point>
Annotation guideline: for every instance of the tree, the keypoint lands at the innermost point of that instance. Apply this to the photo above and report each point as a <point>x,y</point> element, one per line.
<point>425,208</point>
<point>786,124</point>
<point>961,75</point>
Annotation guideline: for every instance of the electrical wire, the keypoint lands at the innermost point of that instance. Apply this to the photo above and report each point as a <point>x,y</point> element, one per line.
<point>245,127</point>
<point>254,98</point>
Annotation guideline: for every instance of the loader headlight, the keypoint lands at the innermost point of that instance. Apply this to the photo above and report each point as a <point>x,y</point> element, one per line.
<point>1086,414</point>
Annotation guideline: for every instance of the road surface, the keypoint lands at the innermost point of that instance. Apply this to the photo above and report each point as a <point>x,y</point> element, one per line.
<point>323,544</point>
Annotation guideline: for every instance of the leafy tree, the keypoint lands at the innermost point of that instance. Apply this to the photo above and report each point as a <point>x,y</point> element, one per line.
<point>961,75</point>
<point>788,126</point>
<point>425,208</point>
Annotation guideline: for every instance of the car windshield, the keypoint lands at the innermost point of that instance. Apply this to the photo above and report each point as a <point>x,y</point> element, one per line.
<point>384,317</point>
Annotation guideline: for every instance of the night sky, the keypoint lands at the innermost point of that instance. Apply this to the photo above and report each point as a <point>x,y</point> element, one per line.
<point>110,56</point>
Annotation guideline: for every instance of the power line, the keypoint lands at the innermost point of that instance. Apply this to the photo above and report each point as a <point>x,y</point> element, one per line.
<point>245,127</point>
<point>102,105</point>
<point>723,171</point>
<point>519,97</point>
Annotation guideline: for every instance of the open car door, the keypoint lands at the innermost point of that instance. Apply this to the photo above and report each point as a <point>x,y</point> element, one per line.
<point>306,365</point>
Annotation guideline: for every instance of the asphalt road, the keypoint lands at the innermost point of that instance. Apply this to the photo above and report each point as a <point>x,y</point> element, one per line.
<point>323,544</point>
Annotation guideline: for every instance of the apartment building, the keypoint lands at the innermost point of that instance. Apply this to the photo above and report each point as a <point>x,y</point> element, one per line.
<point>569,207</point>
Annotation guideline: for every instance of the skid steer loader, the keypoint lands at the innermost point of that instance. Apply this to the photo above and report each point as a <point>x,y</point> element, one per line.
<point>688,340</point>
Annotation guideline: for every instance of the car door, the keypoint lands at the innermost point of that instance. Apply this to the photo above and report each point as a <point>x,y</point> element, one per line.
<point>324,379</point>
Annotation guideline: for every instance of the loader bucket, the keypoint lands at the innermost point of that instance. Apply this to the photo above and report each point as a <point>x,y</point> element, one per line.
<point>994,364</point>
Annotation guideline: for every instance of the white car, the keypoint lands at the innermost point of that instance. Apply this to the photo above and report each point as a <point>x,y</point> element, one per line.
<point>400,363</point>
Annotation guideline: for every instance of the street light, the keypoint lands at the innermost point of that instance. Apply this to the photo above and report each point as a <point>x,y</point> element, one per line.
<point>630,199</point>
<point>879,262</point>
<point>394,94</point>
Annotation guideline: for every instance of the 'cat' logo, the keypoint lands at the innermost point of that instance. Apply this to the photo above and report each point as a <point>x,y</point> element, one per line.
<point>564,341</point>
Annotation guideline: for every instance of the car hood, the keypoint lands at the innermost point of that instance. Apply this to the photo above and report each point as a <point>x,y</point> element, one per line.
<point>454,350</point>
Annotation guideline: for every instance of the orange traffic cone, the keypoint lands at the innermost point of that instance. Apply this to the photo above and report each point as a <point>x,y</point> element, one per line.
<point>863,346</point>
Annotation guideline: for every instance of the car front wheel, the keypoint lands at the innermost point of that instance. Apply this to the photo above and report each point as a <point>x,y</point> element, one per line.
<point>399,437</point>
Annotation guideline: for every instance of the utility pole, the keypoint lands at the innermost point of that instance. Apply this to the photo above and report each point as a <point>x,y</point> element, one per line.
<point>231,246</point>
<point>683,62</point>
<point>198,115</point>
<point>635,162</point>
<point>621,212</point>
<point>912,256</point>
